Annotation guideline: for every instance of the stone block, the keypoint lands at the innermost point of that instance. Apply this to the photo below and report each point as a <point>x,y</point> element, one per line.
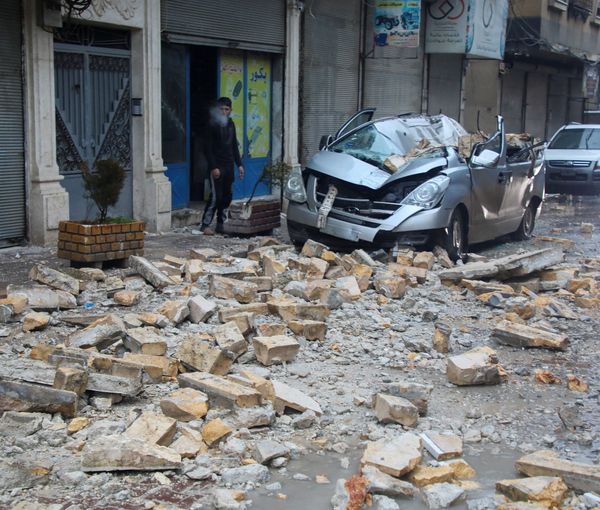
<point>475,367</point>
<point>155,320</point>
<point>245,322</point>
<point>260,384</point>
<point>193,270</point>
<point>228,288</point>
<point>199,354</point>
<point>264,283</point>
<point>158,368</point>
<point>100,334</point>
<point>311,289</point>
<point>287,396</point>
<point>230,338</point>
<point>442,495</point>
<point>34,321</point>
<point>55,279</point>
<point>546,490</point>
<point>221,390</point>
<point>379,482</point>
<point>215,431</point>
<point>390,286</point>
<point>290,311</point>
<point>313,249</point>
<point>275,349</point>
<point>204,254</point>
<point>20,396</point>
<point>273,267</point>
<point>442,446</point>
<point>396,457</point>
<point>127,297</point>
<point>520,335</point>
<point>40,297</point>
<point>270,329</point>
<point>145,341</point>
<point>266,450</point>
<point>185,404</point>
<point>424,260</point>
<point>71,379</point>
<point>225,314</point>
<point>422,476</point>
<point>334,298</point>
<point>201,309</point>
<point>176,311</point>
<point>149,272</point>
<point>153,428</point>
<point>316,269</point>
<point>311,330</point>
<point>390,409</point>
<point>18,302</point>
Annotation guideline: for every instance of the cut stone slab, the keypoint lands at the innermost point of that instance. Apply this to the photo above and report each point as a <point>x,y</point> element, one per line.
<point>229,288</point>
<point>520,335</point>
<point>17,302</point>
<point>271,329</point>
<point>157,367</point>
<point>205,254</point>
<point>145,341</point>
<point>221,390</point>
<point>245,322</point>
<point>153,428</point>
<point>201,309</point>
<point>422,476</point>
<point>396,456</point>
<point>287,396</point>
<point>481,287</point>
<point>548,490</point>
<point>416,393</point>
<point>199,354</point>
<point>312,249</point>
<point>149,272</point>
<point>577,475</point>
<point>155,320</point>
<point>230,338</point>
<point>424,260</point>
<point>390,409</point>
<point>125,453</point>
<point>127,297</point>
<point>185,404</point>
<point>390,286</point>
<point>215,431</point>
<point>20,396</point>
<point>266,450</point>
<point>40,297</point>
<point>55,279</point>
<point>275,349</point>
<point>225,314</point>
<point>442,446</point>
<point>20,424</point>
<point>260,384</point>
<point>300,311</point>
<point>175,311</point>
<point>100,334</point>
<point>475,367</point>
<point>442,495</point>
<point>34,321</point>
<point>379,482</point>
<point>71,379</point>
<point>311,330</point>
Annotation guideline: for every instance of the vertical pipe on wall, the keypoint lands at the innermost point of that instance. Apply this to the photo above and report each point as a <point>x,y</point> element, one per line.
<point>362,34</point>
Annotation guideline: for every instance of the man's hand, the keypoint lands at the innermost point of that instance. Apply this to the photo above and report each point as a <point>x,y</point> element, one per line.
<point>216,173</point>
<point>241,170</point>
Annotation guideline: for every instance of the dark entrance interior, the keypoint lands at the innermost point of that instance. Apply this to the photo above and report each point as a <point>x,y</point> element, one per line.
<point>203,93</point>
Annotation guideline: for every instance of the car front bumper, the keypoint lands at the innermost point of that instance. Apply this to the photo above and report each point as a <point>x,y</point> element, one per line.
<point>572,182</point>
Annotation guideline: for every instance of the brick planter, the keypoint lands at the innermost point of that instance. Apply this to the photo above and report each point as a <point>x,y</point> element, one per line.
<point>264,218</point>
<point>83,243</point>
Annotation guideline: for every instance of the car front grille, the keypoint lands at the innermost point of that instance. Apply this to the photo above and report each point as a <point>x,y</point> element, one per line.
<point>569,163</point>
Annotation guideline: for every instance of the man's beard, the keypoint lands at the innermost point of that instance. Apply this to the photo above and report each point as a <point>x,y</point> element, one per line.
<point>218,118</point>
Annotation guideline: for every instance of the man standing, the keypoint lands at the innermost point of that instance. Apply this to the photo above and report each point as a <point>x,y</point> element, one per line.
<point>222,153</point>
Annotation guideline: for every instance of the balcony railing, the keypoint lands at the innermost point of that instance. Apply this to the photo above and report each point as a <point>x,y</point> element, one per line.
<point>581,8</point>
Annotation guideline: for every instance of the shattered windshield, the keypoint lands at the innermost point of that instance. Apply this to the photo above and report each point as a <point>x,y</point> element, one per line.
<point>367,144</point>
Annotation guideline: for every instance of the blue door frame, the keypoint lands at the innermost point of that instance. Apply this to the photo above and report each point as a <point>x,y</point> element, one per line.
<point>179,173</point>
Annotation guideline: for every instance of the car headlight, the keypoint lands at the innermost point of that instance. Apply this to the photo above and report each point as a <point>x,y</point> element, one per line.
<point>428,194</point>
<point>294,189</point>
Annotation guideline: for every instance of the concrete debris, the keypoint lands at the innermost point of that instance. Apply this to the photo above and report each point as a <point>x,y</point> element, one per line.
<point>519,335</point>
<point>201,309</point>
<point>275,349</point>
<point>198,353</point>
<point>289,397</point>
<point>442,495</point>
<point>390,409</point>
<point>20,396</point>
<point>442,446</point>
<point>477,366</point>
<point>35,321</point>
<point>145,341</point>
<point>416,393</point>
<point>149,272</point>
<point>221,391</point>
<point>379,482</point>
<point>40,297</point>
<point>228,288</point>
<point>547,490</point>
<point>153,428</point>
<point>55,279</point>
<point>100,334</point>
<point>396,456</point>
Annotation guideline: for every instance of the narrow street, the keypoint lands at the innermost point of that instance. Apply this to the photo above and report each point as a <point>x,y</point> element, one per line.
<point>371,344</point>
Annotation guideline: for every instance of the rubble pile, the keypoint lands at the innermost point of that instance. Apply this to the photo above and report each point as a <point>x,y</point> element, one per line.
<point>221,368</point>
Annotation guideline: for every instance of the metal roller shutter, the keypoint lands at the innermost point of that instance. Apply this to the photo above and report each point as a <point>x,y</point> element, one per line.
<point>557,104</point>
<point>253,25</point>
<point>537,96</point>
<point>513,88</point>
<point>445,76</point>
<point>330,69</point>
<point>12,170</point>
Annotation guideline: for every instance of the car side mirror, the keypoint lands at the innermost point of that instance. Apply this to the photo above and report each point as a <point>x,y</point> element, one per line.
<point>486,158</point>
<point>325,141</point>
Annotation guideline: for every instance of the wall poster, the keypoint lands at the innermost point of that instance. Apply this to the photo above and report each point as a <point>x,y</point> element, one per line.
<point>397,23</point>
<point>258,106</point>
<point>231,85</point>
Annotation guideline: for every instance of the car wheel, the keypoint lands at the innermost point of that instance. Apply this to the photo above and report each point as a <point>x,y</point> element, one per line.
<point>525,230</point>
<point>455,239</point>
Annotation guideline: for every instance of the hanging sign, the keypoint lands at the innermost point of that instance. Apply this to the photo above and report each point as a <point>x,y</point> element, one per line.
<point>397,23</point>
<point>590,81</point>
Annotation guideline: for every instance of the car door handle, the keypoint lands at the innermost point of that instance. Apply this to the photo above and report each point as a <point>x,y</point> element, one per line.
<point>505,177</point>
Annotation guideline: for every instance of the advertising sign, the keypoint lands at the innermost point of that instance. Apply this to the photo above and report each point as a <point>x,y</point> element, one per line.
<point>590,81</point>
<point>397,23</point>
<point>231,85</point>
<point>476,28</point>
<point>258,106</point>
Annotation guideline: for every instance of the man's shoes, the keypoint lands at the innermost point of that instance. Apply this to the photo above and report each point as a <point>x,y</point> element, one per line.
<point>220,229</point>
<point>207,231</point>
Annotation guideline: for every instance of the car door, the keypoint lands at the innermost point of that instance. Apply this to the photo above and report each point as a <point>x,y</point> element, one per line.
<point>490,177</point>
<point>359,118</point>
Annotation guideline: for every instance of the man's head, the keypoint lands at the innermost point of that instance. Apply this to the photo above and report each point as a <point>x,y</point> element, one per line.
<point>224,104</point>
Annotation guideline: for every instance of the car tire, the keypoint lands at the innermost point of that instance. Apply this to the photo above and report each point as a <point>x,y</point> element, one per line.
<point>525,230</point>
<point>455,239</point>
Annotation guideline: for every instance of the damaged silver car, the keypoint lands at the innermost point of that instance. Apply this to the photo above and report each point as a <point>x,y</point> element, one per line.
<point>415,180</point>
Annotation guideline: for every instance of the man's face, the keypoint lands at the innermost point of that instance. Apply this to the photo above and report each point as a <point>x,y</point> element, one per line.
<point>225,110</point>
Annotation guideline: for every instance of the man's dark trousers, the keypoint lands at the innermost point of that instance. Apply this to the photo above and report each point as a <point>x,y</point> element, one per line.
<point>221,194</point>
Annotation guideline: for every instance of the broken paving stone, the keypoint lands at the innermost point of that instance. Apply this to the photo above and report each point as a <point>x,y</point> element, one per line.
<point>228,288</point>
<point>127,297</point>
<point>311,330</point>
<point>230,338</point>
<point>125,453</point>
<point>149,272</point>
<point>475,367</point>
<point>547,490</point>
<point>390,286</point>
<point>275,349</point>
<point>145,341</point>
<point>442,446</point>
<point>71,379</point>
<point>20,396</point>
<point>221,390</point>
<point>157,367</point>
<point>200,355</point>
<point>153,428</point>
<point>100,334</point>
<point>396,456</point>
<point>201,309</point>
<point>379,482</point>
<point>519,335</point>
<point>577,475</point>
<point>390,409</point>
<point>34,321</point>
<point>422,476</point>
<point>175,311</point>
<point>266,450</point>
<point>416,393</point>
<point>40,297</point>
<point>424,260</point>
<point>55,279</point>
<point>215,431</point>
<point>185,404</point>
<point>287,396</point>
<point>442,495</point>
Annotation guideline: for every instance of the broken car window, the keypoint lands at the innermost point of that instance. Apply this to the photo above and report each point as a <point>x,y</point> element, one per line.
<point>367,144</point>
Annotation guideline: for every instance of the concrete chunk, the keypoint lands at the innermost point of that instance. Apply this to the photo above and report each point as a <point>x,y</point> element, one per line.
<point>221,390</point>
<point>390,409</point>
<point>275,349</point>
<point>100,334</point>
<point>153,428</point>
<point>185,404</point>
<point>53,278</point>
<point>287,396</point>
<point>396,456</point>
<point>442,446</point>
<point>149,272</point>
<point>475,367</point>
<point>124,453</point>
<point>145,341</point>
<point>199,354</point>
<point>548,490</point>
<point>519,335</point>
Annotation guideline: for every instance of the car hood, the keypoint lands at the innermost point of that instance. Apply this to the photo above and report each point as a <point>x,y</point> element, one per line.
<point>349,169</point>
<point>572,154</point>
